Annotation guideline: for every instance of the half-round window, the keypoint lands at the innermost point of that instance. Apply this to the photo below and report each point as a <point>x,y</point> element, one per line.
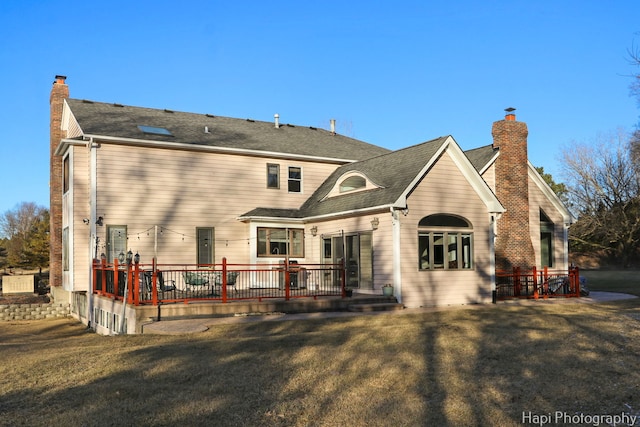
<point>352,183</point>
<point>443,220</point>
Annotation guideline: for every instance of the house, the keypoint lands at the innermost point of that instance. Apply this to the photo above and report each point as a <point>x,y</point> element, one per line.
<point>430,219</point>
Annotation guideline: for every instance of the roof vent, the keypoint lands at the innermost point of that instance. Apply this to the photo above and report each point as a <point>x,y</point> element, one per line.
<point>206,129</point>
<point>276,118</point>
<point>333,126</point>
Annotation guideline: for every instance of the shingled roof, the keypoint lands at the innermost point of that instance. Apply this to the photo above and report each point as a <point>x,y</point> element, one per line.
<point>392,172</point>
<point>481,157</point>
<point>121,121</point>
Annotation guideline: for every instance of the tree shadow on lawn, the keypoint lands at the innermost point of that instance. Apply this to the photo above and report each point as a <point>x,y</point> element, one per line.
<point>483,366</point>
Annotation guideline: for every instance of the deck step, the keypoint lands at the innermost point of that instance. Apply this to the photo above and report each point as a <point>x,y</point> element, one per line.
<point>379,306</point>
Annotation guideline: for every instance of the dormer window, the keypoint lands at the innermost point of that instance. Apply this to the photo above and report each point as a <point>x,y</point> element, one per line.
<point>352,183</point>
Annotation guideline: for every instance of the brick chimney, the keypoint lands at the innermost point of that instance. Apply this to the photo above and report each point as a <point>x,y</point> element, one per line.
<point>513,243</point>
<point>59,92</point>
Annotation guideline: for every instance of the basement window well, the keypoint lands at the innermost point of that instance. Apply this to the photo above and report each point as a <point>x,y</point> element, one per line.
<point>153,130</point>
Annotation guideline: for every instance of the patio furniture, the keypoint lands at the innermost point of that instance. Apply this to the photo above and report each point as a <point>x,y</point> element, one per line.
<point>163,286</point>
<point>232,276</point>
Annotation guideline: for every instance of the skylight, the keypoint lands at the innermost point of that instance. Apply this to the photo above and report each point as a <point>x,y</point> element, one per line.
<point>153,130</point>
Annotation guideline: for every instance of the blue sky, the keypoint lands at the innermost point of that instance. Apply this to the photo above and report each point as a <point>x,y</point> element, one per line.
<point>392,73</point>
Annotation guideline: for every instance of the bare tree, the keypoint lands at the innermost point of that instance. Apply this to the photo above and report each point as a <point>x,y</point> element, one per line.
<point>26,233</point>
<point>604,193</point>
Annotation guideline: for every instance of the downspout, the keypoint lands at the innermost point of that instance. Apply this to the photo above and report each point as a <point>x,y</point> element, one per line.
<point>565,245</point>
<point>397,275</point>
<point>492,258</point>
<point>492,254</point>
<point>93,241</point>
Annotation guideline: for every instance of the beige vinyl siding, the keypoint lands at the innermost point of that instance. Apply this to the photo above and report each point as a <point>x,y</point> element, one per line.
<point>489,177</point>
<point>73,129</point>
<point>445,190</point>
<point>537,201</point>
<point>181,190</point>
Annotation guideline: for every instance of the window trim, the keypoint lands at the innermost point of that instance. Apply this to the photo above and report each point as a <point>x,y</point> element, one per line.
<point>289,237</point>
<point>348,185</point>
<point>212,245</point>
<point>277,176</point>
<point>66,174</point>
<point>111,255</point>
<point>443,232</point>
<point>294,180</point>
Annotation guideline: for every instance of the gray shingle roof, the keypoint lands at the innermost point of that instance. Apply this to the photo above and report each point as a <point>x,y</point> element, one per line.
<point>481,156</point>
<point>393,171</point>
<point>96,118</point>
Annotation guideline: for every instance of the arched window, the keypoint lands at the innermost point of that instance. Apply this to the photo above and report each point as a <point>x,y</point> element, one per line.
<point>352,183</point>
<point>445,242</point>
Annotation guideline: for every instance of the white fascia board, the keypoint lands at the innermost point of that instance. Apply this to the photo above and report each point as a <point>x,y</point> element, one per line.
<point>279,220</point>
<point>326,217</point>
<point>401,202</point>
<point>468,171</point>
<point>568,218</point>
<point>474,179</point>
<point>213,149</point>
<point>489,163</point>
<point>64,145</point>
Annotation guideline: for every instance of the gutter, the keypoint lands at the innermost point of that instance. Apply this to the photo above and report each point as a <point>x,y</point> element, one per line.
<point>324,217</point>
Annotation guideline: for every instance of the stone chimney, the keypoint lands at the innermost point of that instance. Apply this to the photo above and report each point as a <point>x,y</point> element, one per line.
<point>59,92</point>
<point>514,247</point>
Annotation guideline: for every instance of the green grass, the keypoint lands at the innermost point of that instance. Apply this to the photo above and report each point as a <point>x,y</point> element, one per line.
<point>473,366</point>
<point>625,281</point>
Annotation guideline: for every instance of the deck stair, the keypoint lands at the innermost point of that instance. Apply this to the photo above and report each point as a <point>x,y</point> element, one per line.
<point>364,306</point>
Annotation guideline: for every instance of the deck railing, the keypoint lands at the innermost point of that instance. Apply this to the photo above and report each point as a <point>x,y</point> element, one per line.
<point>536,284</point>
<point>164,283</point>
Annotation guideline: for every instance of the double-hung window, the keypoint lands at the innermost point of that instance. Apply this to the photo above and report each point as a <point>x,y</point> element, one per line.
<point>273,175</point>
<point>445,242</point>
<point>295,179</point>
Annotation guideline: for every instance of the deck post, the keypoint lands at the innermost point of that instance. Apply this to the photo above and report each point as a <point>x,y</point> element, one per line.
<point>546,282</point>
<point>103,265</point>
<point>154,281</point>
<point>287,277</point>
<point>136,283</point>
<point>116,269</point>
<point>534,271</point>
<point>343,278</point>
<point>224,280</point>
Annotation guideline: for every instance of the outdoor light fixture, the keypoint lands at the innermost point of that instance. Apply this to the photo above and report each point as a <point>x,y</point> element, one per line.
<point>405,211</point>
<point>136,258</point>
<point>374,223</point>
<point>86,221</point>
<point>121,257</point>
<point>99,221</point>
<point>314,230</point>
<point>103,256</point>
<point>129,256</point>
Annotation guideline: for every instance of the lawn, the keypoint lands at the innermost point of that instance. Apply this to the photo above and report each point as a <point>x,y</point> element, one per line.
<point>473,366</point>
<point>625,281</point>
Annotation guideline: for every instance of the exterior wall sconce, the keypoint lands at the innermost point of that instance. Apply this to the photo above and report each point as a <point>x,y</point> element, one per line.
<point>374,223</point>
<point>405,211</point>
<point>136,258</point>
<point>314,231</point>
<point>121,257</point>
<point>99,221</point>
